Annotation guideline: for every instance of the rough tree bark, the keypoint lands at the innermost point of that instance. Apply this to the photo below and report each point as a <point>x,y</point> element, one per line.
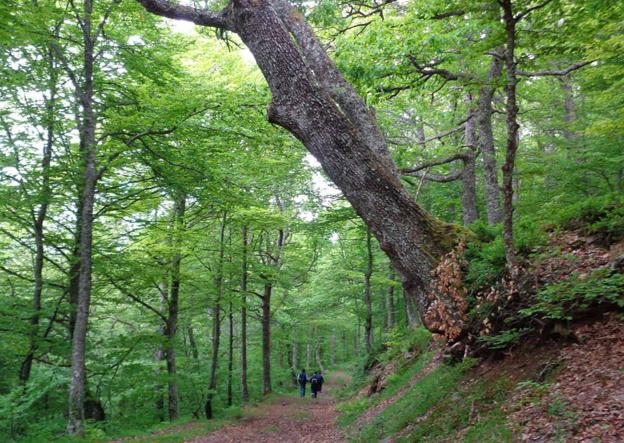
<point>485,140</point>
<point>216,322</point>
<point>470,212</point>
<point>511,108</point>
<point>77,385</point>
<point>312,100</point>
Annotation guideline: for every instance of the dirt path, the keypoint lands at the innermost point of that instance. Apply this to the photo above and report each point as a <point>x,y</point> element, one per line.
<point>287,419</point>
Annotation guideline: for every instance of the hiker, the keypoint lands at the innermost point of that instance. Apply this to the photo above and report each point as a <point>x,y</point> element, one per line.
<point>315,384</point>
<point>302,379</point>
<point>321,380</point>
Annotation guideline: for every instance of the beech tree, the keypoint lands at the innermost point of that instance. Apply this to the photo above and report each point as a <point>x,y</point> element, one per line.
<point>312,100</point>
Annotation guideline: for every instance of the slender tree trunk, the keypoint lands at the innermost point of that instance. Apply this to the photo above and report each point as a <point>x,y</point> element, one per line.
<point>469,182</point>
<point>39,219</point>
<point>159,355</point>
<point>294,356</point>
<point>216,323</point>
<point>390,321</point>
<point>569,115</point>
<point>332,349</point>
<point>266,338</point>
<point>243,338</point>
<point>308,354</point>
<point>512,137</point>
<point>77,386</point>
<point>192,343</point>
<point>317,354</point>
<point>171,329</point>
<point>411,312</point>
<point>485,140</point>
<point>368,319</point>
<point>230,353</point>
<point>74,268</point>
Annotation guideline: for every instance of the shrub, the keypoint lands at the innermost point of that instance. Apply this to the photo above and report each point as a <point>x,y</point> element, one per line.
<point>598,214</point>
<point>565,300</point>
<point>505,339</point>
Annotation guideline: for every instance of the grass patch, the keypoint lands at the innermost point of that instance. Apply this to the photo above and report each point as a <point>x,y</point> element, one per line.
<point>471,413</point>
<point>416,402</point>
<point>351,410</point>
<point>179,433</point>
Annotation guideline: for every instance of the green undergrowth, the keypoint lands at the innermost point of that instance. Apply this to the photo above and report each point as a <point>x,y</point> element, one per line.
<point>414,403</point>
<point>351,410</point>
<point>449,403</point>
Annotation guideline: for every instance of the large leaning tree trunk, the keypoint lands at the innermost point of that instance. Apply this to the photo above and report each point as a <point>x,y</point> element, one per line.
<point>317,105</point>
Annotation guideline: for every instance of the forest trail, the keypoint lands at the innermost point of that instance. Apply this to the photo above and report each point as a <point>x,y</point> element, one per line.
<point>287,418</point>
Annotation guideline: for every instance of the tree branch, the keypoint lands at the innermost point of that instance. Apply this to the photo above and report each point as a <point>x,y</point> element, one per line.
<point>553,73</point>
<point>427,165</point>
<point>526,12</point>
<point>200,17</point>
<point>437,177</point>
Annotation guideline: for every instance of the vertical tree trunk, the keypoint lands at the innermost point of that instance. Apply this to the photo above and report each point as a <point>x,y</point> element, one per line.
<point>216,323</point>
<point>332,349</point>
<point>266,338</point>
<point>485,140</point>
<point>192,343</point>
<point>511,109</point>
<point>74,266</point>
<point>569,115</point>
<point>230,352</point>
<point>469,182</point>
<point>390,321</point>
<point>77,386</point>
<point>294,357</point>
<point>411,312</point>
<point>171,329</point>
<point>243,339</point>
<point>159,355</point>
<point>317,354</point>
<point>308,354</point>
<point>39,219</point>
<point>368,319</point>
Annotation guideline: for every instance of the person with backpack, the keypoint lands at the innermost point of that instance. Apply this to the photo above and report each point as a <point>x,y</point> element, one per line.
<point>321,380</point>
<point>315,384</point>
<point>302,379</point>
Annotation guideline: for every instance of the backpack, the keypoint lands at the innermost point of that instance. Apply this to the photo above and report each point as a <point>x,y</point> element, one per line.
<point>314,381</point>
<point>302,378</point>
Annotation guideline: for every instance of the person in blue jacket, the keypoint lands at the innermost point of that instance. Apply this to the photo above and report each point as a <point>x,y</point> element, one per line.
<point>302,379</point>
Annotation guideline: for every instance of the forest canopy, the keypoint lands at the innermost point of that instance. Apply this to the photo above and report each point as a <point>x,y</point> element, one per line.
<point>197,199</point>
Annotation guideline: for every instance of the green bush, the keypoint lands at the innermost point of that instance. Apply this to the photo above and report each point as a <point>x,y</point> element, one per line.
<point>596,214</point>
<point>402,340</point>
<point>504,339</point>
<point>486,263</point>
<point>565,300</point>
